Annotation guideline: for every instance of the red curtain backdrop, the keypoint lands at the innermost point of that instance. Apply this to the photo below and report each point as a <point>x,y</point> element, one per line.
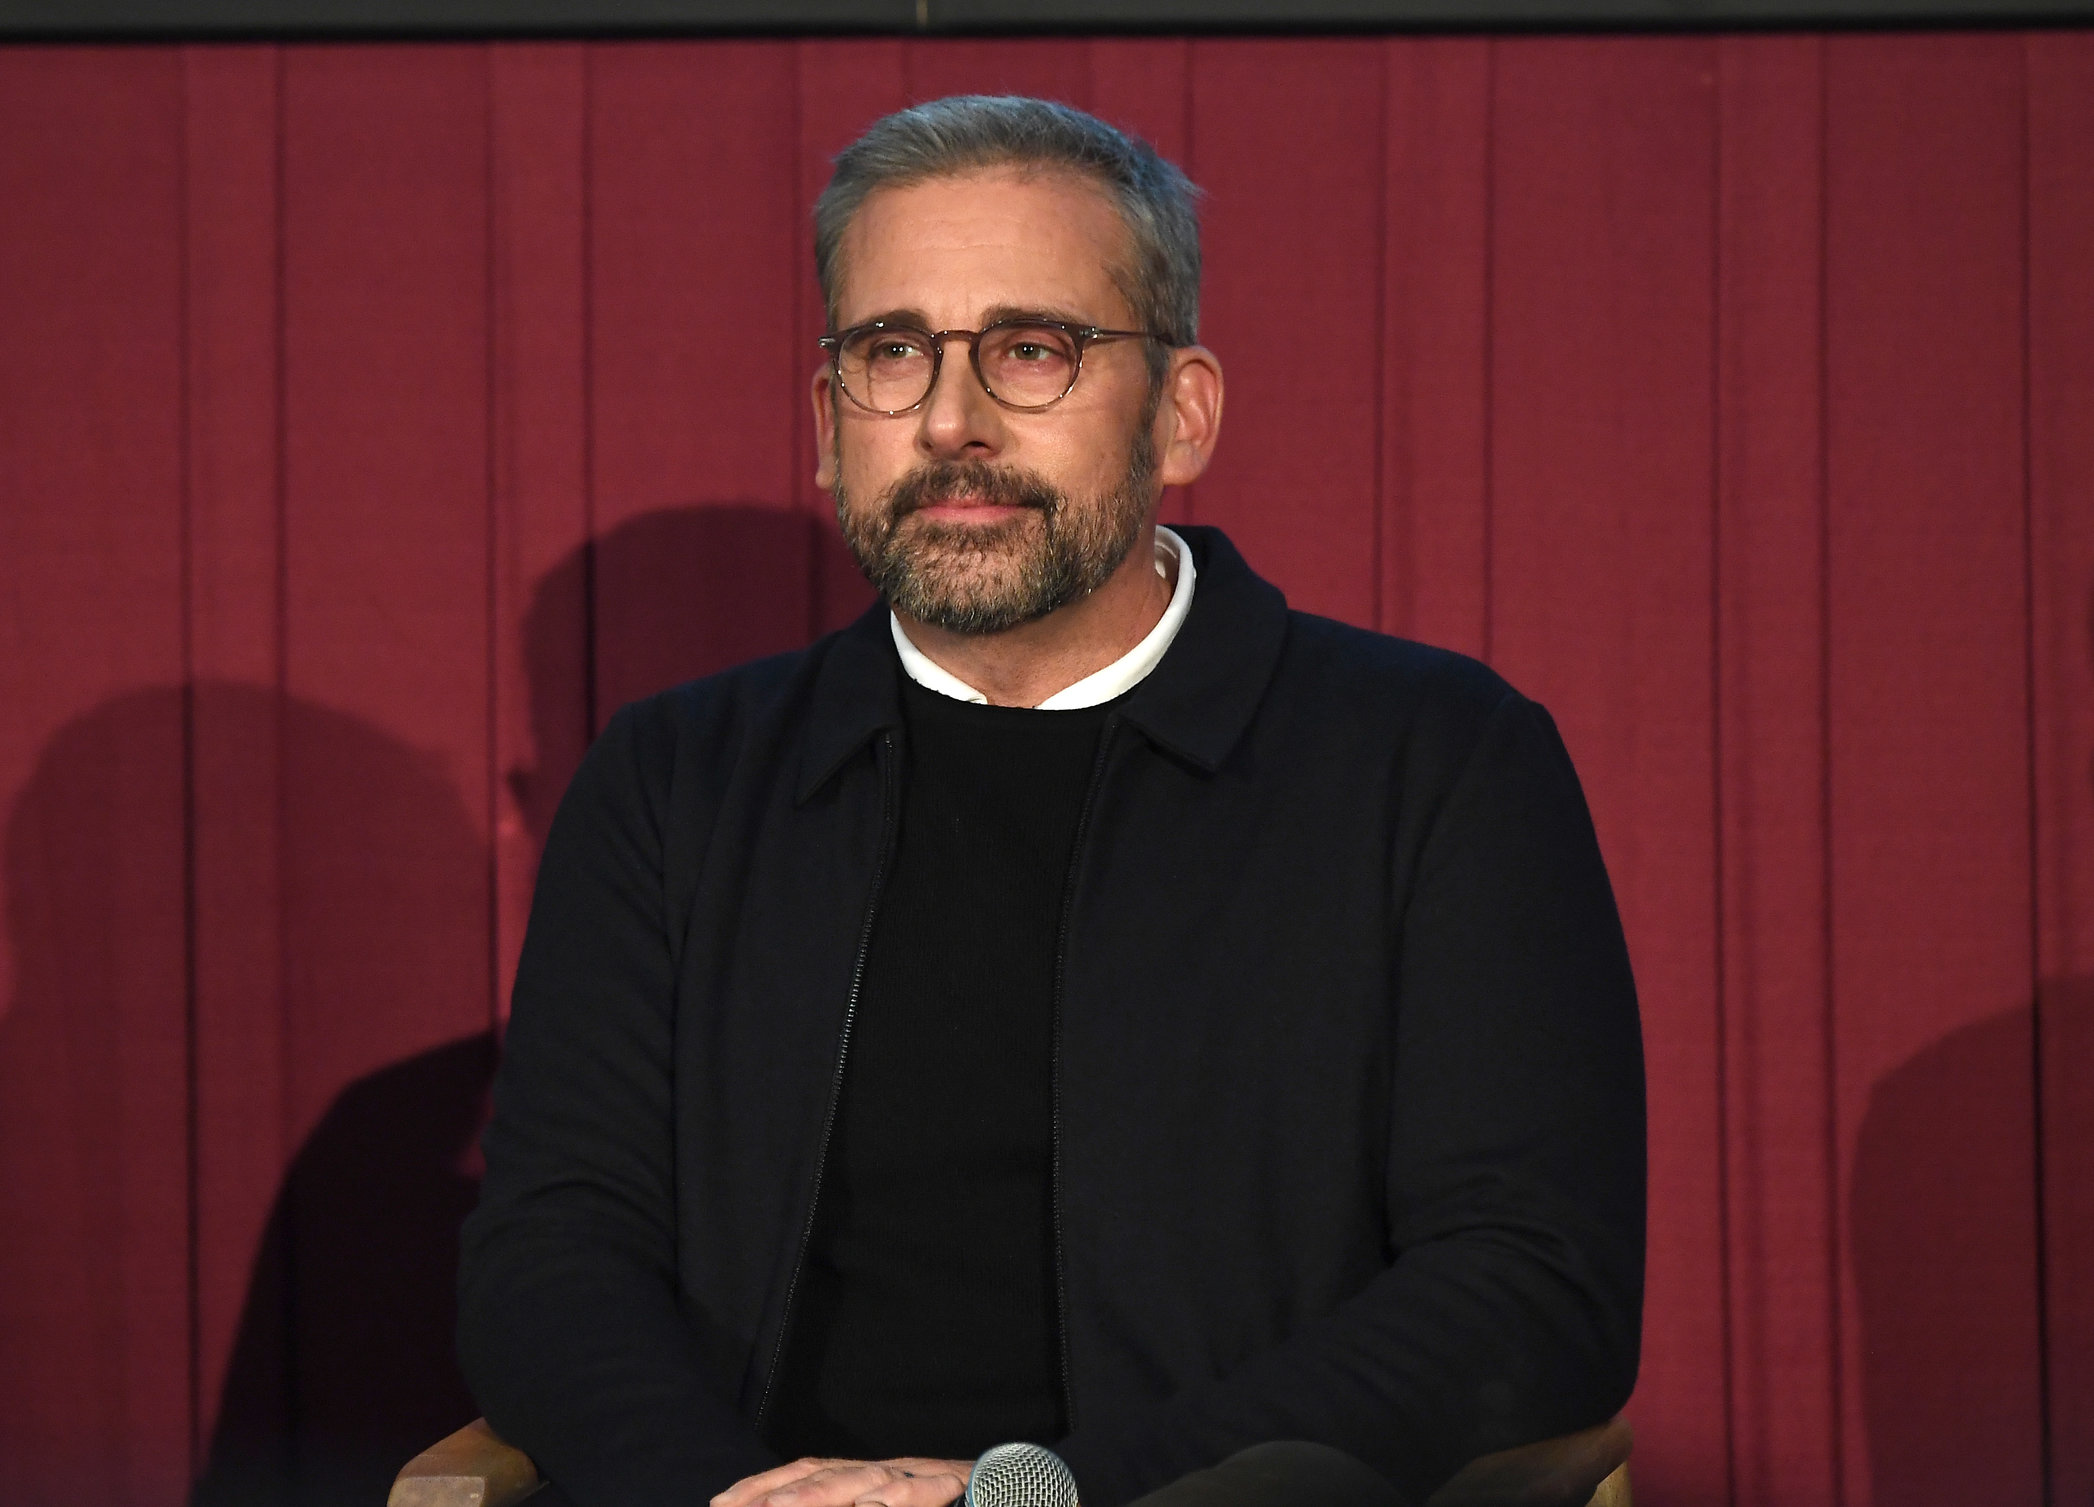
<point>373,419</point>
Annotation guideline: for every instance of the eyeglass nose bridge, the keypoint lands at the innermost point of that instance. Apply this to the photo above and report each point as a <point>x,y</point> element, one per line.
<point>974,364</point>
<point>1082,337</point>
<point>974,340</point>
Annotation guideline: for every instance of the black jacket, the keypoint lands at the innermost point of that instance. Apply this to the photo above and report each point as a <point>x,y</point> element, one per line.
<point>1348,1081</point>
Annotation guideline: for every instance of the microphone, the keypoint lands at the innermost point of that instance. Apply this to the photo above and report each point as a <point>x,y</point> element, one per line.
<point>1020,1475</point>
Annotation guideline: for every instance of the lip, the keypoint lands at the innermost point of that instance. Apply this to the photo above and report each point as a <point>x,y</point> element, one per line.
<point>967,511</point>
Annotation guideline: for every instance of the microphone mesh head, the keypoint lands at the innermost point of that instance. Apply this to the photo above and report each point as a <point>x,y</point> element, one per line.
<point>1020,1475</point>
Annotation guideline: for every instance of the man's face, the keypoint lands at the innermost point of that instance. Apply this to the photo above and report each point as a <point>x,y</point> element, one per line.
<point>965,514</point>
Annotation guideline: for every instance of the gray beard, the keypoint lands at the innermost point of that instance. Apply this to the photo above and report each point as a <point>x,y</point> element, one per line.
<point>986,578</point>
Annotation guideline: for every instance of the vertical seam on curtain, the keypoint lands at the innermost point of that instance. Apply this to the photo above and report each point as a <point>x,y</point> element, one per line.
<point>1381,350</point>
<point>186,491</point>
<point>281,583</point>
<point>1718,809</point>
<point>2035,904</point>
<point>810,527</point>
<point>1835,1252</point>
<point>589,562</point>
<point>492,436</point>
<point>1486,641</point>
<point>280,296</point>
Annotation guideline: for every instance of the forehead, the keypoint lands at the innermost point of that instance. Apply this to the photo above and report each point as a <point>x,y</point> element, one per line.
<point>952,248</point>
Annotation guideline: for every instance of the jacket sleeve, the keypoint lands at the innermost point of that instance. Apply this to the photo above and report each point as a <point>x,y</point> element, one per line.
<point>1512,1309</point>
<point>569,1330</point>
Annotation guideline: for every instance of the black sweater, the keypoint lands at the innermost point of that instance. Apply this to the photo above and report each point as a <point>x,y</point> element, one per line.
<point>924,1323</point>
<point>1347,1083</point>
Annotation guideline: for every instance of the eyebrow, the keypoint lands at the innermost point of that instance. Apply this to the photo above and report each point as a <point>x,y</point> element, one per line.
<point>895,316</point>
<point>1036,311</point>
<point>919,320</point>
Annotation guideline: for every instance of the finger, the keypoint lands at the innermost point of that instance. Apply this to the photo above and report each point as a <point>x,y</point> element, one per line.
<point>922,1465</point>
<point>946,1480</point>
<point>933,1488</point>
<point>838,1483</point>
<point>911,1482</point>
<point>750,1488</point>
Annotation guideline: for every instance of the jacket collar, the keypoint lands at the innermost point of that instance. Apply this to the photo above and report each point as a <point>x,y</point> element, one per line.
<point>857,694</point>
<point>1196,703</point>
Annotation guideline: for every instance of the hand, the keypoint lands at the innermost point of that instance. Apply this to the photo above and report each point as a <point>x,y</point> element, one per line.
<point>850,1483</point>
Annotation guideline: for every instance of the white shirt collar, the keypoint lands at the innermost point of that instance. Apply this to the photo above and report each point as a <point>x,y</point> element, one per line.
<point>1117,678</point>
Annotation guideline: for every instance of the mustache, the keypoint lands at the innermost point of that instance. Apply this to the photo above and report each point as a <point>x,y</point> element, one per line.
<point>946,480</point>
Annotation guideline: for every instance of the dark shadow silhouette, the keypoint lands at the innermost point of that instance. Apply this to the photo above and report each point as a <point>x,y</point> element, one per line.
<point>1944,1258</point>
<point>663,598</point>
<point>350,853</point>
<point>2065,1009</point>
<point>91,1103</point>
<point>1945,1255</point>
<point>343,1366</point>
<point>342,1356</point>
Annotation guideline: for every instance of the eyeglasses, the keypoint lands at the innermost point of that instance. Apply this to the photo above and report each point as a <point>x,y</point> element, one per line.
<point>1023,363</point>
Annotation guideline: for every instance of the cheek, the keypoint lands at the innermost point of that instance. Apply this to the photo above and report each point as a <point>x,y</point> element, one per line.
<point>1099,463</point>
<point>1077,449</point>
<point>867,457</point>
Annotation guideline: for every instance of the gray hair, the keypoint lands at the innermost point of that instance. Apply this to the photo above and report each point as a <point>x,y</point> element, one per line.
<point>970,131</point>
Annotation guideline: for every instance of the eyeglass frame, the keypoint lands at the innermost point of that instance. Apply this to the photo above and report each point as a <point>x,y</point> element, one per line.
<point>1082,334</point>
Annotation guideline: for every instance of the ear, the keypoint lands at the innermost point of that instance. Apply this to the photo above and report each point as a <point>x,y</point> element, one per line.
<point>1188,420</point>
<point>823,394</point>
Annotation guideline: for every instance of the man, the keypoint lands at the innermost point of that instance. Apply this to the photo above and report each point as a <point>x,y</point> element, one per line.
<point>1082,1002</point>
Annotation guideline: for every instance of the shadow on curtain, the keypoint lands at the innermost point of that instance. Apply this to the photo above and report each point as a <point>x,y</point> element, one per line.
<point>343,1366</point>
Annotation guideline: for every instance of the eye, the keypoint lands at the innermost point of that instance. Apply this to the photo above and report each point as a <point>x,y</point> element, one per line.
<point>893,348</point>
<point>1033,350</point>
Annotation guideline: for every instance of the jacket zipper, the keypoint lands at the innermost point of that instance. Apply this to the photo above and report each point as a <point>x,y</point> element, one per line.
<point>843,1048</point>
<point>1054,1164</point>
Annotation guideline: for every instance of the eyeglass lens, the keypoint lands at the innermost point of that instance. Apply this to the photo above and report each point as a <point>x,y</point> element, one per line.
<point>1024,365</point>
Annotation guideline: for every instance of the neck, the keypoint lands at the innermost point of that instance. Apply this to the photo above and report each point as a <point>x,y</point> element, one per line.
<point>1023,666</point>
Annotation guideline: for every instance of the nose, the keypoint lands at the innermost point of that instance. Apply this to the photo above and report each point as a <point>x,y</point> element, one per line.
<point>959,418</point>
